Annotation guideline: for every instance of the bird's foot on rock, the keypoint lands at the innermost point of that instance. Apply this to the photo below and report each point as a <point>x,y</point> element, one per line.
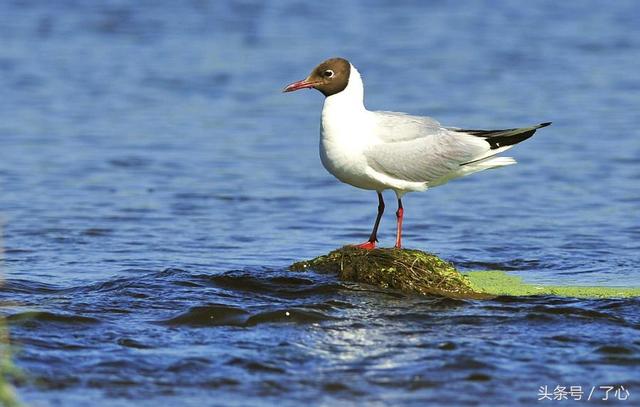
<point>369,245</point>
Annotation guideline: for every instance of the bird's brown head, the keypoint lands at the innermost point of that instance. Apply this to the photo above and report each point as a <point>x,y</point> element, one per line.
<point>330,77</point>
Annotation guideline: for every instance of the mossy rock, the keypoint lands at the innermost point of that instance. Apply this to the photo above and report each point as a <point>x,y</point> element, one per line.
<point>415,271</point>
<point>410,271</point>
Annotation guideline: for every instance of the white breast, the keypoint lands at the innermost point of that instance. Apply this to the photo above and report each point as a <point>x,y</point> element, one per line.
<point>342,142</point>
<point>345,132</point>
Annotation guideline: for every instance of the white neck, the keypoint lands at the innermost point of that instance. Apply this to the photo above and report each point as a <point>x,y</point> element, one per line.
<point>351,98</point>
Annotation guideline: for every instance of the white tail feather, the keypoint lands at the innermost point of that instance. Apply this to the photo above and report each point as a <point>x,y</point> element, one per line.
<point>467,169</point>
<point>495,162</point>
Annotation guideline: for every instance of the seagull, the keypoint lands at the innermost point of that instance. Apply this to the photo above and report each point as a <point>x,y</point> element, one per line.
<point>380,150</point>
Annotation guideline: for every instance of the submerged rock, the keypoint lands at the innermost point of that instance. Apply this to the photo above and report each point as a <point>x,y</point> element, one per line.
<point>411,271</point>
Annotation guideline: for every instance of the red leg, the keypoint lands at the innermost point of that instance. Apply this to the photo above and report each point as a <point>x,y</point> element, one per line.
<point>399,215</point>
<point>373,238</point>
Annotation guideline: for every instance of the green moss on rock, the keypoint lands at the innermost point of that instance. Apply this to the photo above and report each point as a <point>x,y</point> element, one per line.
<point>414,271</point>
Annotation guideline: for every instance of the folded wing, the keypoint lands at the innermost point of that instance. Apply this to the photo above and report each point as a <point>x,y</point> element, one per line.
<point>422,151</point>
<point>425,159</point>
<point>394,126</point>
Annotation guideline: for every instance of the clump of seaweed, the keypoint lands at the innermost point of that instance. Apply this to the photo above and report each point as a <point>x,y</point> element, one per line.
<point>412,271</point>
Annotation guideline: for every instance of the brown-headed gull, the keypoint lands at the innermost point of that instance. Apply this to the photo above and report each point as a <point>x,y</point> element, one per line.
<point>388,150</point>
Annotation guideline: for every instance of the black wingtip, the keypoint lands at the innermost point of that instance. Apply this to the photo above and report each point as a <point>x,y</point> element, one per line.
<point>544,124</point>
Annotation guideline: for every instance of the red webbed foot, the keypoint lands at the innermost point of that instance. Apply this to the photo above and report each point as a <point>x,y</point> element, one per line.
<point>369,245</point>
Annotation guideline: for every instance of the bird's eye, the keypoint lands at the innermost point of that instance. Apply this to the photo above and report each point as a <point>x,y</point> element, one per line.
<point>328,73</point>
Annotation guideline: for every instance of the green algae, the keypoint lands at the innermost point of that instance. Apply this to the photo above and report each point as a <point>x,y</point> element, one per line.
<point>501,283</point>
<point>414,271</point>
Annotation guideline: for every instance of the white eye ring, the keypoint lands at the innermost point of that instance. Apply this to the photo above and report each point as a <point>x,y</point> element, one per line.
<point>328,73</point>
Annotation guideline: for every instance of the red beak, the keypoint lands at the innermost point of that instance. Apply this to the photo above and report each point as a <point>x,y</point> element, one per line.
<point>303,84</point>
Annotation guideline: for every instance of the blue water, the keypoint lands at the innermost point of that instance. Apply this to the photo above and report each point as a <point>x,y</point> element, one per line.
<point>155,185</point>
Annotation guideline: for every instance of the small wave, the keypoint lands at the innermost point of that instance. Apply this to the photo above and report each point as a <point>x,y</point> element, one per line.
<point>341,388</point>
<point>615,350</point>
<point>478,377</point>
<point>298,316</point>
<point>565,338</point>
<point>210,315</point>
<point>279,284</point>
<point>255,366</point>
<point>511,265</point>
<point>132,343</point>
<point>248,281</point>
<point>445,302</point>
<point>189,364</point>
<point>226,315</point>
<point>97,232</point>
<point>18,286</point>
<point>15,250</point>
<point>130,162</point>
<point>466,362</point>
<point>35,317</point>
<point>576,312</point>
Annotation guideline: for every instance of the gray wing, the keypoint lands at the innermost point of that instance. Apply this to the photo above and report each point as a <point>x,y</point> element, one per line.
<point>425,158</point>
<point>395,126</point>
<point>418,149</point>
